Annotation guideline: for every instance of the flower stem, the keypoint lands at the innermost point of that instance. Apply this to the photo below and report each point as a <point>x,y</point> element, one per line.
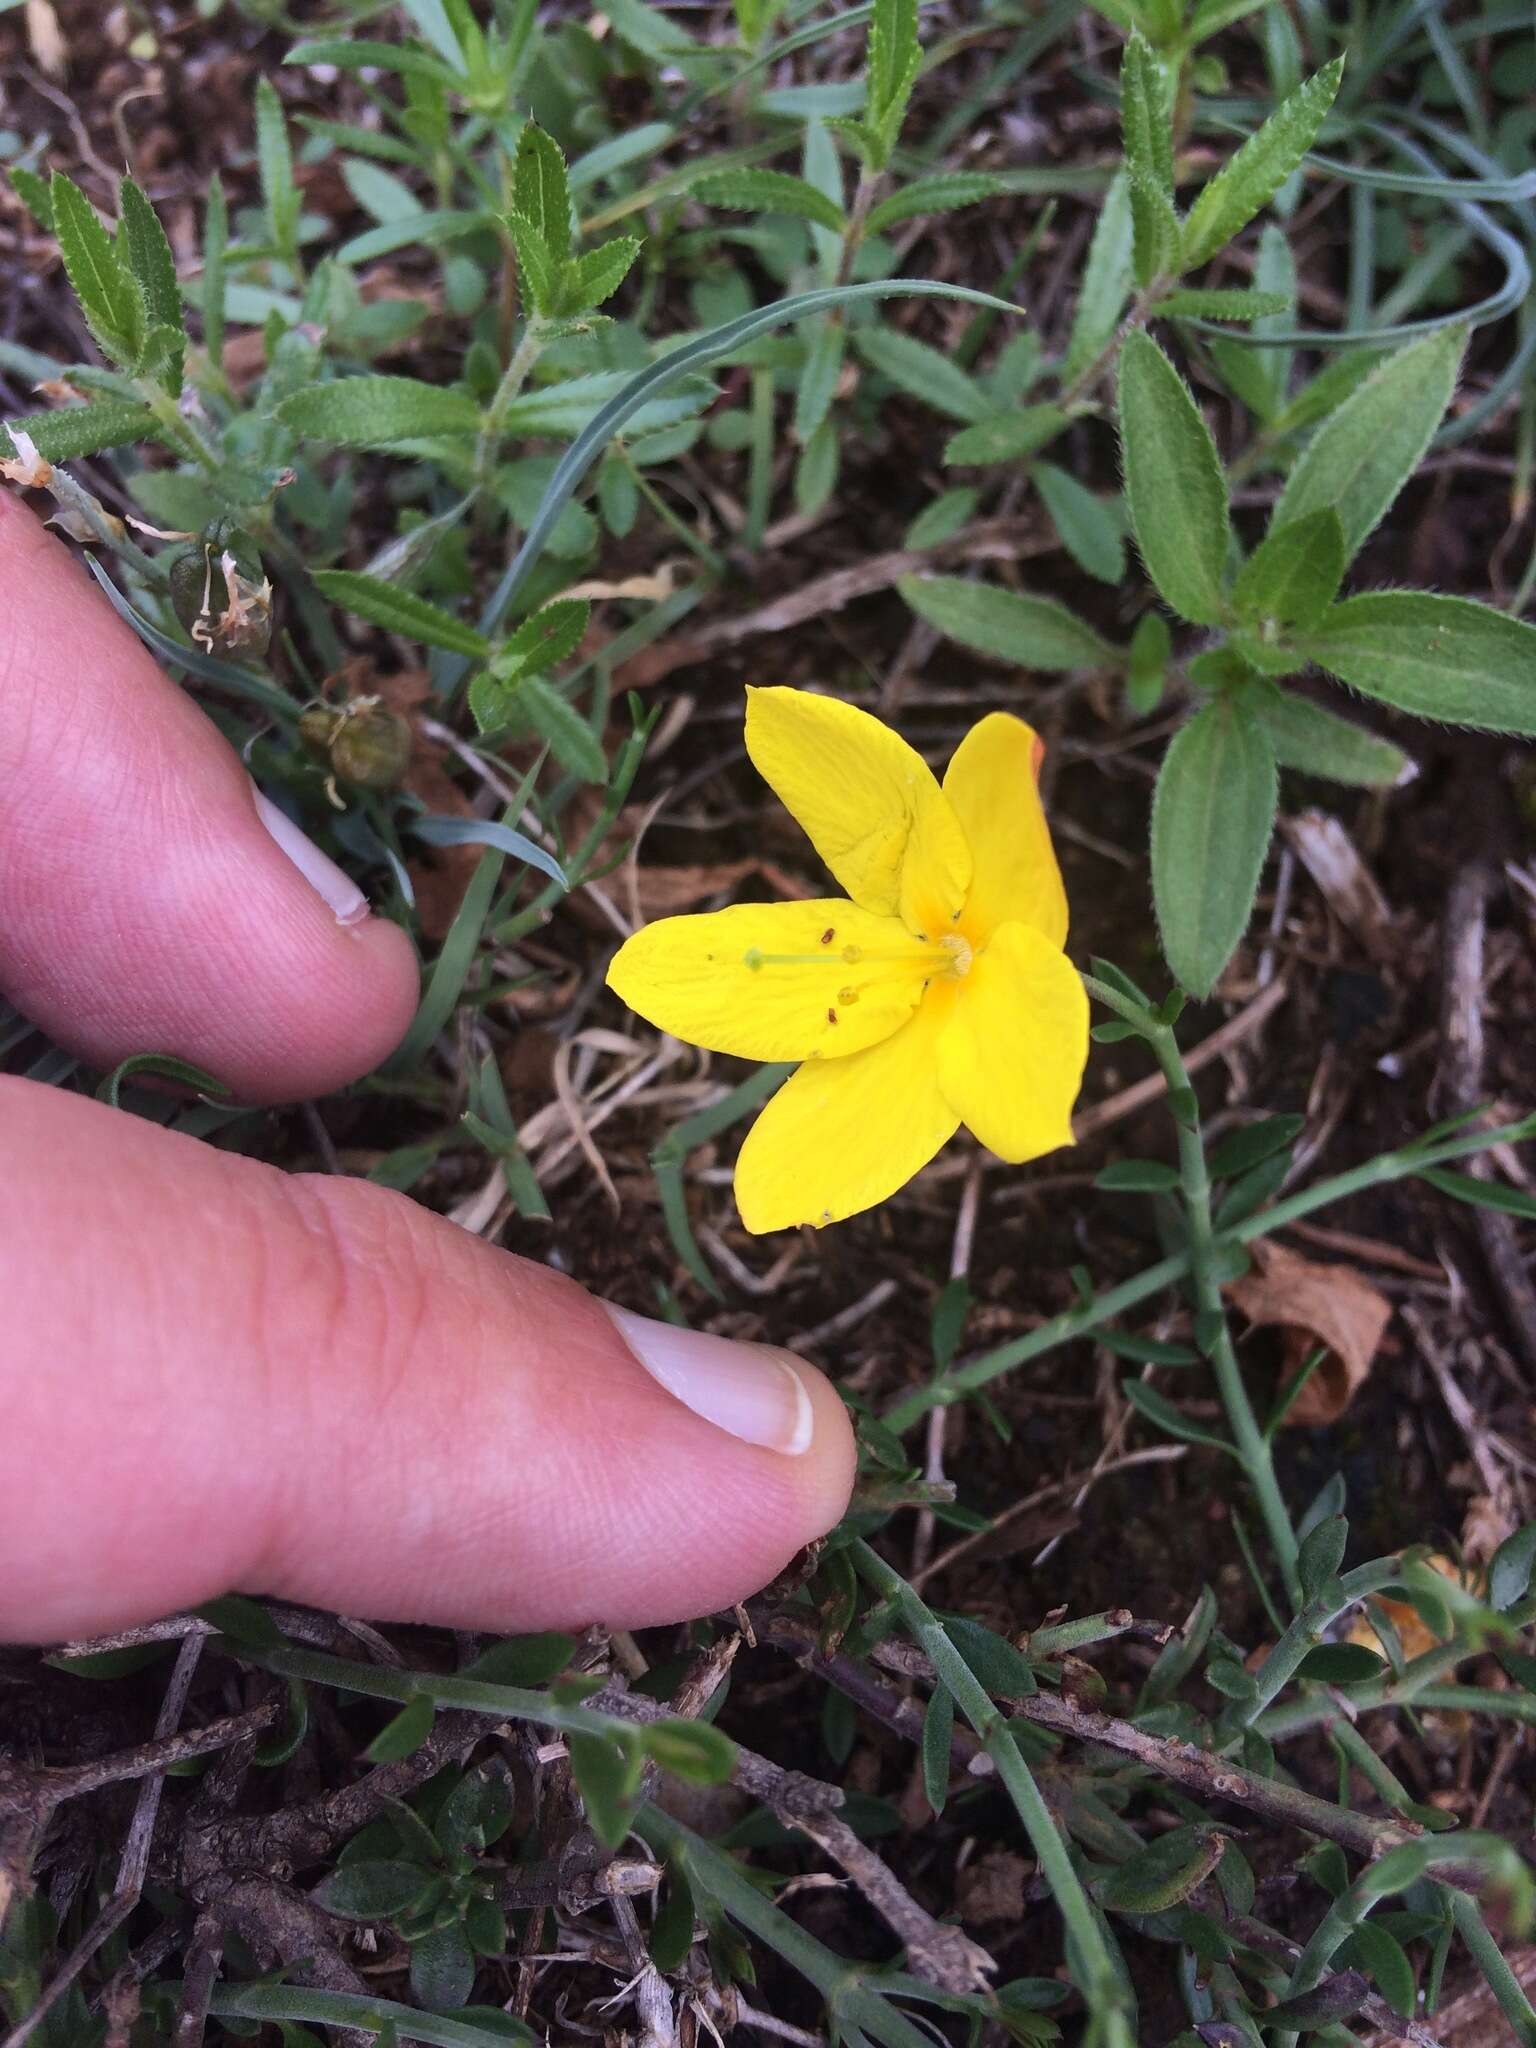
<point>1089,1953</point>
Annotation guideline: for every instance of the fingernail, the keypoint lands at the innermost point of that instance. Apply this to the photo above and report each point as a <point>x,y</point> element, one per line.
<point>749,1390</point>
<point>339,890</point>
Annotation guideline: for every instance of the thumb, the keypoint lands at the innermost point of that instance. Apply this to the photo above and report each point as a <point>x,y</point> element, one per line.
<point>219,1376</point>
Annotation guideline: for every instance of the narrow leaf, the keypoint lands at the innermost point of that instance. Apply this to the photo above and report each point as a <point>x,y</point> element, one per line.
<point>1030,632</point>
<point>541,642</point>
<point>538,272</point>
<point>109,296</point>
<point>280,195</point>
<point>1107,279</point>
<point>596,276</point>
<point>399,611</point>
<point>1212,815</point>
<point>142,242</point>
<point>752,191</point>
<point>555,718</point>
<point>1174,483</point>
<point>925,372</point>
<point>1438,657</point>
<point>1293,575</point>
<point>938,1729</point>
<point>1195,304</point>
<point>1249,180</point>
<point>1367,450</point>
<point>370,412</point>
<point>540,190</point>
<point>1144,116</point>
<point>215,248</point>
<point>1315,741</point>
<point>1089,530</point>
<point>1158,1409</point>
<point>1007,437</point>
<point>941,193</point>
<point>82,429</point>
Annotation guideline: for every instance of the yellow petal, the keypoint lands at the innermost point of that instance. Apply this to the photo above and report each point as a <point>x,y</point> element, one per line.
<point>870,804</point>
<point>841,1135</point>
<point>992,782</point>
<point>774,981</point>
<point>1012,1054</point>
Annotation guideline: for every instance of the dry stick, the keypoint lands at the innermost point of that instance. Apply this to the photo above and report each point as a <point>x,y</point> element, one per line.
<point>135,1858</point>
<point>1461,1077</point>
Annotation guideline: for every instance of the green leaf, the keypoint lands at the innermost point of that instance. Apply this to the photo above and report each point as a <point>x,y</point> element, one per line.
<point>894,56</point>
<point>938,1730</point>
<point>1144,1350</point>
<point>442,1968</point>
<point>1321,1555</point>
<point>1088,528</point>
<point>1146,671</point>
<point>1195,304</point>
<point>538,271</point>
<point>1226,1675</point>
<point>1138,1176</point>
<point>596,276</point>
<point>940,193</point>
<point>1107,280</point>
<point>1158,1409</point>
<point>826,340</point>
<point>33,193</point>
<point>211,290</point>
<point>379,1890</point>
<point>816,471</point>
<point>1144,117</point>
<point>1253,1144</point>
<point>1480,1194</point>
<point>1509,1573</point>
<point>554,718</point>
<point>941,519</point>
<point>691,1750</point>
<point>1174,483</point>
<point>1293,575</point>
<point>1315,741</point>
<point>1438,657</point>
<point>1007,436</point>
<point>82,429</point>
<point>924,372</point>
<point>141,241</point>
<point>1154,231</point>
<point>1372,1949</point>
<point>1212,815</point>
<point>370,412</point>
<point>752,191</point>
<point>1031,632</point>
<point>1367,450</point>
<point>672,1927</point>
<point>279,193</point>
<point>399,611</point>
<point>404,1733</point>
<point>522,1660</point>
<point>540,190</point>
<point>1340,1663</point>
<point>109,295</point>
<point>992,1660</point>
<point>551,636</point>
<point>1165,1873</point>
<point>1250,179</point>
<point>608,1778</point>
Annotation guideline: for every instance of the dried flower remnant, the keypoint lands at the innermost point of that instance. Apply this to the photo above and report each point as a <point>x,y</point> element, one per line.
<point>936,993</point>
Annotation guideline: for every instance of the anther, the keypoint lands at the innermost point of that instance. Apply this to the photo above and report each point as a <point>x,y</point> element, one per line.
<point>831,1016</point>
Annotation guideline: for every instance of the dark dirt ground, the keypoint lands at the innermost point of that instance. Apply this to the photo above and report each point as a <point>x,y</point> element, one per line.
<point>1356,1043</point>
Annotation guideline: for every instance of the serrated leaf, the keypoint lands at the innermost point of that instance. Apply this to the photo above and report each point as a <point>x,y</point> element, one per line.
<point>32,191</point>
<point>371,412</point>
<point>82,429</point>
<point>1293,575</point>
<point>378,1890</point>
<point>551,636</point>
<point>1088,529</point>
<point>538,271</point>
<point>1144,116</point>
<point>141,241</point>
<point>1359,460</point>
<point>752,191</point>
<point>1212,815</point>
<point>1195,304</point>
<point>1032,632</point>
<point>941,193</point>
<point>825,345</point>
<point>1007,436</point>
<point>1438,657</point>
<point>894,56</point>
<point>279,193</point>
<point>541,191</point>
<point>1174,483</point>
<point>1161,1411</point>
<point>1165,1873</point>
<point>110,297</point>
<point>1315,741</point>
<point>595,277</point>
<point>922,371</point>
<point>399,611</point>
<point>1154,231</point>
<point>1107,280</point>
<point>1250,179</point>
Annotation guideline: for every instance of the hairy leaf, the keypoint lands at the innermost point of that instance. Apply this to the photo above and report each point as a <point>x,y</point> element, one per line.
<point>1031,632</point>
<point>1250,179</point>
<point>1438,657</point>
<point>751,191</point>
<point>1315,741</point>
<point>1174,483</point>
<point>370,412</point>
<point>399,611</point>
<point>1212,815</point>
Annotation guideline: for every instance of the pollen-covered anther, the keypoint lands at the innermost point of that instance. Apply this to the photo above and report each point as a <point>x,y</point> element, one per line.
<point>960,954</point>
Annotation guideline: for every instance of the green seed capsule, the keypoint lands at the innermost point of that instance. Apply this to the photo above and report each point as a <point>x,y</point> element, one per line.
<point>192,585</point>
<point>372,746</point>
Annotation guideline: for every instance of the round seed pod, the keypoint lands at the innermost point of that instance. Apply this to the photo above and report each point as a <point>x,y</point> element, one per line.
<point>371,746</point>
<point>192,575</point>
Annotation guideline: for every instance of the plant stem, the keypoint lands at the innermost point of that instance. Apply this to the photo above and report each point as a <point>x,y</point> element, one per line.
<point>1088,1951</point>
<point>1500,1978</point>
<point>514,377</point>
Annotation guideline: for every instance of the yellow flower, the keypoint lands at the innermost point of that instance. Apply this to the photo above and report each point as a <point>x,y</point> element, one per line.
<point>939,995</point>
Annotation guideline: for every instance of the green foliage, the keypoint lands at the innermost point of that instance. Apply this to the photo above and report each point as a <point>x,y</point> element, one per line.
<point>1437,657</point>
<point>1174,484</point>
<point>1030,632</point>
<point>1250,179</point>
<point>1212,815</point>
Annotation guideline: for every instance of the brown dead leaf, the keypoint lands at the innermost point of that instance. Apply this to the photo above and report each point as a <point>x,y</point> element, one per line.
<point>991,1890</point>
<point>1413,1632</point>
<point>1310,1304</point>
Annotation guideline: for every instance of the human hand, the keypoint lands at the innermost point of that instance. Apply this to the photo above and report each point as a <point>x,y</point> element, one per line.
<point>215,1375</point>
